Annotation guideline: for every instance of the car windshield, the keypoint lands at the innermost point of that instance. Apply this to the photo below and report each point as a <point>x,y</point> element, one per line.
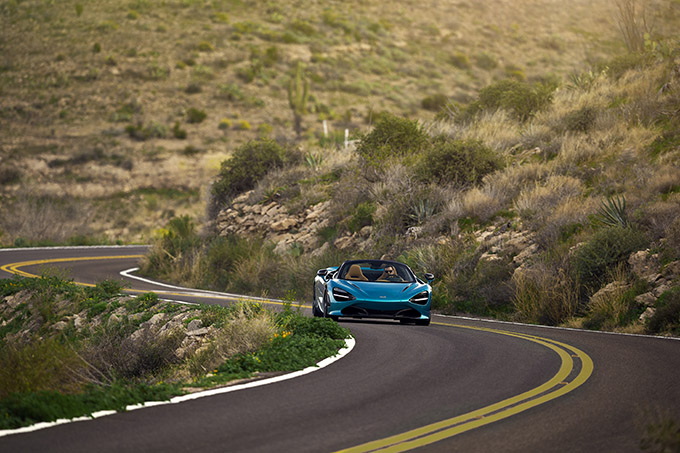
<point>376,271</point>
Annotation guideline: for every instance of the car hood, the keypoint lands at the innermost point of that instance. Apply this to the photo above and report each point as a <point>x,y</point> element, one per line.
<point>381,291</point>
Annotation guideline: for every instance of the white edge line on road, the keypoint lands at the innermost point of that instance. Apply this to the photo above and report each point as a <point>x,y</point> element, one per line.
<point>570,329</point>
<point>71,247</point>
<point>193,291</point>
<point>349,345</point>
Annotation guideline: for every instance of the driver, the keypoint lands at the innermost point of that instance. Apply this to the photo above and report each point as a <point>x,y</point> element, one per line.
<point>389,273</point>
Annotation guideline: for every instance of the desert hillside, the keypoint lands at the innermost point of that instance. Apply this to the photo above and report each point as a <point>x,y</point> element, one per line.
<point>115,116</point>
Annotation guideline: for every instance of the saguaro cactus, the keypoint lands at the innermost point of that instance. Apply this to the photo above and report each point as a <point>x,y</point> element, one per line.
<point>298,94</point>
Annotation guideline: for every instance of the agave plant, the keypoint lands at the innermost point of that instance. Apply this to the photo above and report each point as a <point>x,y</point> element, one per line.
<point>612,212</point>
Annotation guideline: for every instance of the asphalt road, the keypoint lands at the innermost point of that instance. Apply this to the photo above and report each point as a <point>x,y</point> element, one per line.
<point>524,393</point>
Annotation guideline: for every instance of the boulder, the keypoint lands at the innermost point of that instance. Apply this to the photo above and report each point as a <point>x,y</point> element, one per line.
<point>648,313</point>
<point>646,299</point>
<point>194,324</point>
<point>612,290</point>
<point>284,224</point>
<point>645,265</point>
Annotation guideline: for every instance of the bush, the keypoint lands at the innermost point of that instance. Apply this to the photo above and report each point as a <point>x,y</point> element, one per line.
<point>392,136</point>
<point>607,248</point>
<point>38,365</point>
<point>667,315</point>
<point>141,132</point>
<point>461,162</point>
<point>523,99</point>
<point>435,102</point>
<point>460,60</point>
<point>363,216</point>
<point>196,116</point>
<point>544,295</point>
<point>580,120</point>
<point>249,163</point>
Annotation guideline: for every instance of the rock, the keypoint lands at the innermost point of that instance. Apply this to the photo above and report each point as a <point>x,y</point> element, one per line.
<point>282,248</point>
<point>78,322</point>
<point>59,326</point>
<point>320,250</point>
<point>113,319</point>
<point>672,270</point>
<point>283,225</point>
<point>194,324</point>
<point>645,265</point>
<point>198,332</point>
<point>344,242</point>
<point>659,290</point>
<point>646,299</point>
<point>156,320</point>
<point>366,231</point>
<point>413,232</point>
<point>13,301</point>
<point>648,313</point>
<point>525,254</point>
<point>612,290</point>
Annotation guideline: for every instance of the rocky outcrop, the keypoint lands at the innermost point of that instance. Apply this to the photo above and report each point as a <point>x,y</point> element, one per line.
<point>273,222</point>
<point>647,266</point>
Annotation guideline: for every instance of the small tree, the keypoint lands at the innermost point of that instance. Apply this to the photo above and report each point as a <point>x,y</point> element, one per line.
<point>298,94</point>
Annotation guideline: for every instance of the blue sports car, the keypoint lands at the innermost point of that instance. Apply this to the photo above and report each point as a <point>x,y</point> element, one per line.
<point>372,289</point>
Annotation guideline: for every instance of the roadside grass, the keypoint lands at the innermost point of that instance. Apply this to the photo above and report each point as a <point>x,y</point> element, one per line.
<point>78,350</point>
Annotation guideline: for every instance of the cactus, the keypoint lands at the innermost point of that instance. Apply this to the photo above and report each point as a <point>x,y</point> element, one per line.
<point>298,94</point>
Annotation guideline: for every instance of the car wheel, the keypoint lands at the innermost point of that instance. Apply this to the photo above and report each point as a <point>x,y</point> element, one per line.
<point>316,312</point>
<point>423,322</point>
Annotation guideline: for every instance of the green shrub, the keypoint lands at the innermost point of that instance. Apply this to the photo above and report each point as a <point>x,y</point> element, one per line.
<point>606,249</point>
<point>392,136</point>
<point>195,115</point>
<point>523,99</point>
<point>667,315</point>
<point>581,120</point>
<point>249,163</point>
<point>205,46</point>
<point>460,60</point>
<point>142,132</point>
<point>435,102</point>
<point>178,132</point>
<point>38,365</point>
<point>461,162</point>
<point>485,61</point>
<point>363,216</point>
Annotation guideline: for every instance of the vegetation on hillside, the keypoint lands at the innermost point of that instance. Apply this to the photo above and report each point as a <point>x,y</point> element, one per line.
<point>68,351</point>
<point>584,168</point>
<point>116,115</point>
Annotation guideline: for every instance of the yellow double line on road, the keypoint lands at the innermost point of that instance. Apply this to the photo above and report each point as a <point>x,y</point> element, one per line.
<point>570,375</point>
<point>563,382</point>
<point>14,268</point>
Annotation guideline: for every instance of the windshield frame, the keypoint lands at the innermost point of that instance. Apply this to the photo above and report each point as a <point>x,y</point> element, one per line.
<point>376,271</point>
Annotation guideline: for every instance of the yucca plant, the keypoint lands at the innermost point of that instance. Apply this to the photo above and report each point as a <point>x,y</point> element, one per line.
<point>612,212</point>
<point>313,161</point>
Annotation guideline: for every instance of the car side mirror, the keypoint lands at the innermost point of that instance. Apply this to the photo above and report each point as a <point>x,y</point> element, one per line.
<point>429,277</point>
<point>322,272</point>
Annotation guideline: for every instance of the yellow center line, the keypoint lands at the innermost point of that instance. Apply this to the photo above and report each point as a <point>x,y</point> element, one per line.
<point>444,429</point>
<point>14,268</point>
<point>554,388</point>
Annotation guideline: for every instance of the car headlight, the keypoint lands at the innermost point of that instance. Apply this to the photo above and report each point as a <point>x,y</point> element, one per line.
<point>341,295</point>
<point>420,298</point>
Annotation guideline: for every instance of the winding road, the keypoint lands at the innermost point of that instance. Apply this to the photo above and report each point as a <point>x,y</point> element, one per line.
<point>458,385</point>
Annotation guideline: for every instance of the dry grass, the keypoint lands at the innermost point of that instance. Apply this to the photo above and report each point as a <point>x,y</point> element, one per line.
<point>69,97</point>
<point>246,331</point>
<point>544,295</point>
<point>538,202</point>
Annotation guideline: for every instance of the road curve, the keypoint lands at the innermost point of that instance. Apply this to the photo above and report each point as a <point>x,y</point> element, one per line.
<point>458,385</point>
